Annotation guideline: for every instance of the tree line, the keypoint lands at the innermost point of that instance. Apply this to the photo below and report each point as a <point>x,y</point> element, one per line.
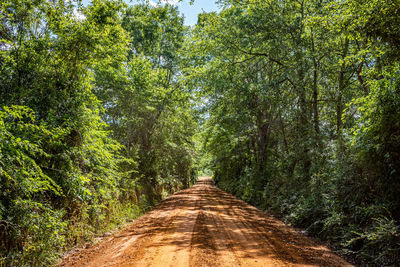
<point>303,100</point>
<point>105,109</point>
<point>95,125</point>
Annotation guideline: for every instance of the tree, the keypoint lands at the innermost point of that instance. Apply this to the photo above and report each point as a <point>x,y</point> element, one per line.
<point>145,104</point>
<point>302,101</point>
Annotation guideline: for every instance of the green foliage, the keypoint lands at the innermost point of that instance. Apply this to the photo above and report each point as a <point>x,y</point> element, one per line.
<point>381,241</point>
<point>147,106</point>
<point>303,114</point>
<point>105,110</point>
<point>26,220</point>
<point>91,132</point>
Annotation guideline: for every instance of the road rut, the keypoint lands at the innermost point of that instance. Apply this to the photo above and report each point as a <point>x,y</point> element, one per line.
<point>205,226</point>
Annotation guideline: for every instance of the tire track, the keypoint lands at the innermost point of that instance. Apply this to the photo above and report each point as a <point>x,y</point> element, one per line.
<point>205,226</point>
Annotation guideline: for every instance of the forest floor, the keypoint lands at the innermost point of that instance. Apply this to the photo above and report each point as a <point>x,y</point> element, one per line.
<point>205,226</point>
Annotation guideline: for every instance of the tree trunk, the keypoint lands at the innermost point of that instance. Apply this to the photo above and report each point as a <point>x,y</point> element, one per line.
<point>339,106</point>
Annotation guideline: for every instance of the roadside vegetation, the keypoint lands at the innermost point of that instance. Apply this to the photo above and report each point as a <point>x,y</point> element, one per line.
<point>304,115</point>
<point>95,127</point>
<point>105,109</point>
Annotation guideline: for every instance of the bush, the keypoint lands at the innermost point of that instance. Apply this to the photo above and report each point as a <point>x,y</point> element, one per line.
<point>380,243</point>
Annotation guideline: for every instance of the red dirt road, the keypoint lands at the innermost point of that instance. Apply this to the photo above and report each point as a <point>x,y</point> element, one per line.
<point>205,226</point>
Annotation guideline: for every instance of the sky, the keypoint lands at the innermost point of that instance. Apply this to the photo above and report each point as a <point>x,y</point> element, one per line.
<point>189,11</point>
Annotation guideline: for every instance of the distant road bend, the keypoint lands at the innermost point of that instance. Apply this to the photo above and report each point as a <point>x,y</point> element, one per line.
<point>205,226</point>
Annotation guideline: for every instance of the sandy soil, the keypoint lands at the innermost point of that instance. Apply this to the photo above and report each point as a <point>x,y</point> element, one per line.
<point>205,226</point>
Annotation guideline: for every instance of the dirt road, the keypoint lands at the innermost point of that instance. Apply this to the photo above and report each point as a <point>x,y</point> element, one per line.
<point>205,226</point>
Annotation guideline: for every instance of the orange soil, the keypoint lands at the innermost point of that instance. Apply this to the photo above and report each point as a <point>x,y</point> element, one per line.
<point>205,226</point>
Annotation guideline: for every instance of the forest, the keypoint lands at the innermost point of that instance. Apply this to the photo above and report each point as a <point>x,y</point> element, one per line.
<point>107,108</point>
